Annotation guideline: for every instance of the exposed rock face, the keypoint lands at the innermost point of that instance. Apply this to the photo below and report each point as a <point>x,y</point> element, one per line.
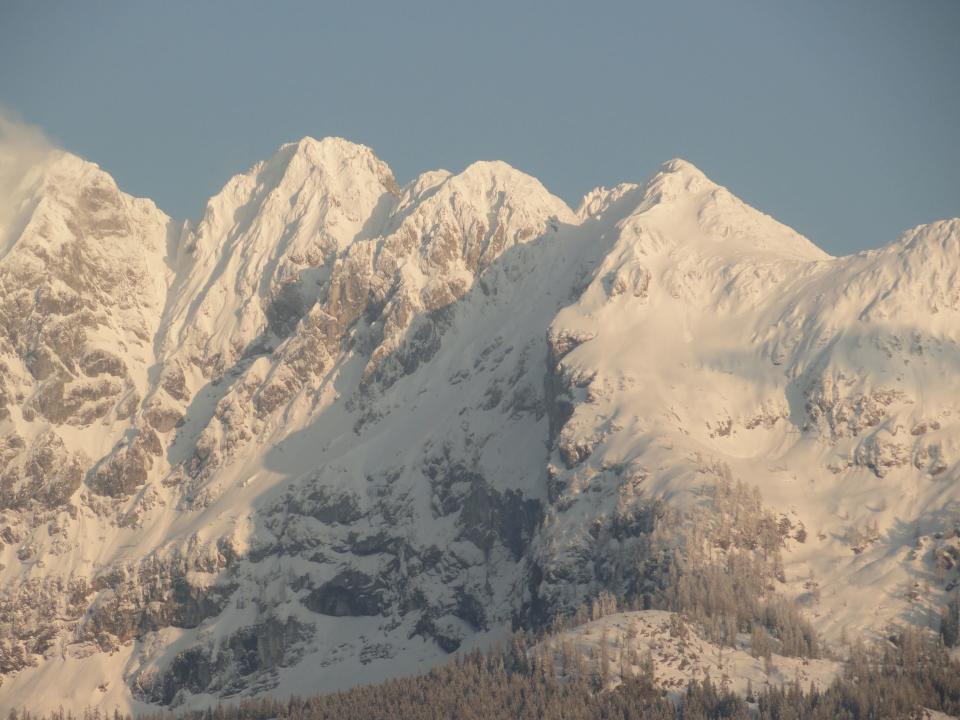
<point>250,657</point>
<point>156,594</point>
<point>48,477</point>
<point>351,593</point>
<point>339,423</point>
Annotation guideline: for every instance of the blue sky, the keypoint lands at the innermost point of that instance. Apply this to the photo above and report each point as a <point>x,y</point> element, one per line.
<point>841,119</point>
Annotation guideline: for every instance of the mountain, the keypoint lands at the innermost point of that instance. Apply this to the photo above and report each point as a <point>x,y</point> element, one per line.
<point>338,428</point>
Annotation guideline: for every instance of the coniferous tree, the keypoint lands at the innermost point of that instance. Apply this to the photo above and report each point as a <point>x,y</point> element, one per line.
<point>950,622</point>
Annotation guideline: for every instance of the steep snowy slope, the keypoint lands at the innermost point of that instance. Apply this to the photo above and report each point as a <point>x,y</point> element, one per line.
<point>348,427</point>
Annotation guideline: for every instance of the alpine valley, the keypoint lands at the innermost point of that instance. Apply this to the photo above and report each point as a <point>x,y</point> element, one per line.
<point>339,428</point>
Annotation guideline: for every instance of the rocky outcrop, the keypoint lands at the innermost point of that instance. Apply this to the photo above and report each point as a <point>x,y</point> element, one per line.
<point>47,478</point>
<point>350,593</point>
<point>249,657</point>
<point>128,467</point>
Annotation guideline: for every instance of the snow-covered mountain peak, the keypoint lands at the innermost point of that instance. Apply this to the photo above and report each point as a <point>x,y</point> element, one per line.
<point>675,179</point>
<point>680,208</point>
<point>331,146</point>
<point>685,168</point>
<point>334,155</point>
<point>920,273</point>
<point>489,183</point>
<point>681,211</point>
<point>351,424</point>
<point>312,175</point>
<point>676,183</point>
<point>82,286</point>
<point>257,260</point>
<point>62,169</point>
<point>939,236</point>
<point>64,179</point>
<point>65,196</point>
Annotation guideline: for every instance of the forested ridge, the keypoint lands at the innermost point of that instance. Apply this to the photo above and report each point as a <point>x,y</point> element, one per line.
<point>909,673</point>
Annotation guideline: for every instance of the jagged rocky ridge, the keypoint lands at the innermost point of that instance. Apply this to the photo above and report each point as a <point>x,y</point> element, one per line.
<point>339,428</point>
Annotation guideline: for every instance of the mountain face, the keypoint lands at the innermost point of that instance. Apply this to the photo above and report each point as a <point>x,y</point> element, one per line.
<point>339,428</point>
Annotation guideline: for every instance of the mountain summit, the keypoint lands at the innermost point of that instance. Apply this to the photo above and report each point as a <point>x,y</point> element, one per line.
<point>337,429</point>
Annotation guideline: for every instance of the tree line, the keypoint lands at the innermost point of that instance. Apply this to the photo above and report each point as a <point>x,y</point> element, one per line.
<point>511,682</point>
